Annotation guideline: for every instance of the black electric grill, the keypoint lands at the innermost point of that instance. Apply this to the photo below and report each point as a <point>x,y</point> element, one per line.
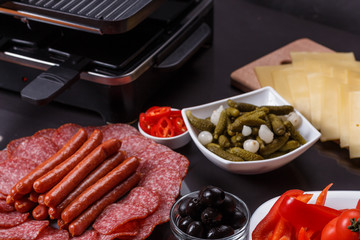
<point>106,56</point>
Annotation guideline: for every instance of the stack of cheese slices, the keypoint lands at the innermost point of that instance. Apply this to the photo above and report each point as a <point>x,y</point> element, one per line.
<point>325,88</point>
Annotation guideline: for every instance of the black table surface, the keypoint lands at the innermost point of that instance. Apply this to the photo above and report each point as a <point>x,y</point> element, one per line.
<point>243,32</point>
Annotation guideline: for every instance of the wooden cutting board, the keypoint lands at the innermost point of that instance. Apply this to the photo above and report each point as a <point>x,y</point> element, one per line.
<point>245,78</point>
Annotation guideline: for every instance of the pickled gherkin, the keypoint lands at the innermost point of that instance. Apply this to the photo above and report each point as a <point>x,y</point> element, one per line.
<point>229,137</point>
<point>222,153</point>
<point>200,124</point>
<point>246,155</point>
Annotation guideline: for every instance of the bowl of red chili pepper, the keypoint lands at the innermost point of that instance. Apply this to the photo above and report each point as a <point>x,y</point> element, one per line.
<point>164,125</point>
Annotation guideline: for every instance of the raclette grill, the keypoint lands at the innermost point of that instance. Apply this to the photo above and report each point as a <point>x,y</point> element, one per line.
<point>106,56</point>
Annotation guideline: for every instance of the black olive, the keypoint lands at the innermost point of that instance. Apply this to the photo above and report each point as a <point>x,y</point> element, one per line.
<point>195,229</point>
<point>211,217</point>
<point>212,196</point>
<point>228,206</point>
<point>220,232</point>
<point>238,219</point>
<point>194,208</point>
<point>182,207</point>
<point>184,223</point>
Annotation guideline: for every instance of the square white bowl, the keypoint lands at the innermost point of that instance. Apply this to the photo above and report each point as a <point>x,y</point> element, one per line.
<point>262,96</point>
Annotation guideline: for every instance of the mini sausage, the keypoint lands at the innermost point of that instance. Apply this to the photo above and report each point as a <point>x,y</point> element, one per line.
<point>82,222</point>
<point>13,195</point>
<point>59,192</point>
<point>40,212</point>
<point>33,196</point>
<point>62,225</point>
<point>99,189</point>
<point>24,205</point>
<point>103,169</point>
<point>25,185</point>
<point>51,178</point>
<point>41,199</point>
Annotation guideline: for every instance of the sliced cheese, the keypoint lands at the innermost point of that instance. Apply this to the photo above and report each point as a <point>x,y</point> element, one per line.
<point>315,84</point>
<point>322,56</point>
<point>354,127</point>
<point>264,74</point>
<point>281,85</point>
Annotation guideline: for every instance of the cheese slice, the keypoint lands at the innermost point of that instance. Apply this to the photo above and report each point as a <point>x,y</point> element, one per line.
<point>354,127</point>
<point>315,84</point>
<point>330,109</point>
<point>281,85</point>
<point>264,74</point>
<point>322,56</point>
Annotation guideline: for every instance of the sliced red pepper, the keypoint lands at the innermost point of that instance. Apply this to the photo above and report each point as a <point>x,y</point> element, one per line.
<point>179,125</point>
<point>153,114</point>
<point>311,216</point>
<point>265,229</point>
<point>358,204</point>
<point>322,196</point>
<point>164,128</point>
<point>144,124</point>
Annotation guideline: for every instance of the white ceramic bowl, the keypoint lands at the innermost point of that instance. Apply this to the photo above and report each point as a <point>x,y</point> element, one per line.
<point>172,142</point>
<point>263,96</point>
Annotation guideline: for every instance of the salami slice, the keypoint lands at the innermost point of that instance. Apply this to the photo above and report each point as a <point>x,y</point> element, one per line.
<point>135,144</point>
<point>4,207</point>
<point>167,159</point>
<point>3,155</point>
<point>50,233</point>
<point>161,215</point>
<point>143,196</point>
<point>88,235</point>
<point>118,131</point>
<point>153,150</point>
<point>12,145</point>
<point>12,219</point>
<point>47,132</point>
<point>27,231</point>
<point>64,133</point>
<point>117,215</point>
<point>127,230</point>
<point>12,170</point>
<point>36,149</point>
<point>164,181</point>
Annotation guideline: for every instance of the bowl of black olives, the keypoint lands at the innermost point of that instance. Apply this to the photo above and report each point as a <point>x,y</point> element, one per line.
<point>210,213</point>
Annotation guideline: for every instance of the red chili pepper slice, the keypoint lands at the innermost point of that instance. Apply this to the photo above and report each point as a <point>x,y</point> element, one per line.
<point>155,113</point>
<point>144,124</point>
<point>164,128</point>
<point>179,125</point>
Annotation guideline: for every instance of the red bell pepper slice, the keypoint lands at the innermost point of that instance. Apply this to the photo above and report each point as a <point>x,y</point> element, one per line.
<point>322,196</point>
<point>164,128</point>
<point>179,125</point>
<point>301,214</point>
<point>265,229</point>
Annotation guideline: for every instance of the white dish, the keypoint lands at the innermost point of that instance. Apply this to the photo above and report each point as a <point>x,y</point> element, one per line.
<point>263,96</point>
<point>335,199</point>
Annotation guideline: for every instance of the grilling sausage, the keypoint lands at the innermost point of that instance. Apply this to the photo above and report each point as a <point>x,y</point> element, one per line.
<point>33,196</point>
<point>108,165</point>
<point>59,192</point>
<point>40,212</point>
<point>51,178</point>
<point>24,205</point>
<point>25,185</point>
<point>100,188</point>
<point>82,222</point>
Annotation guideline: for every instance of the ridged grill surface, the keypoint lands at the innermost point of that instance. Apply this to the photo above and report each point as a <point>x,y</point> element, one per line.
<point>110,10</point>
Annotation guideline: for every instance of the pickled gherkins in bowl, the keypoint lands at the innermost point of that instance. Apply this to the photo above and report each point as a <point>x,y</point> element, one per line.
<point>246,132</point>
<point>252,133</point>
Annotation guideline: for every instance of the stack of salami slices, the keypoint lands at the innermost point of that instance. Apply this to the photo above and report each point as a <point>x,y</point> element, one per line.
<point>134,205</point>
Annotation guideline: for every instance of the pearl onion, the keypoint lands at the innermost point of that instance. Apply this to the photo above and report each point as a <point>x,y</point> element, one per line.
<point>295,119</point>
<point>205,137</point>
<point>266,134</point>
<point>251,145</point>
<point>246,131</point>
<point>214,118</point>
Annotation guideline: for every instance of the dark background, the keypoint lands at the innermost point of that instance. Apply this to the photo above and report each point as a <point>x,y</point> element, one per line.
<point>243,32</point>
